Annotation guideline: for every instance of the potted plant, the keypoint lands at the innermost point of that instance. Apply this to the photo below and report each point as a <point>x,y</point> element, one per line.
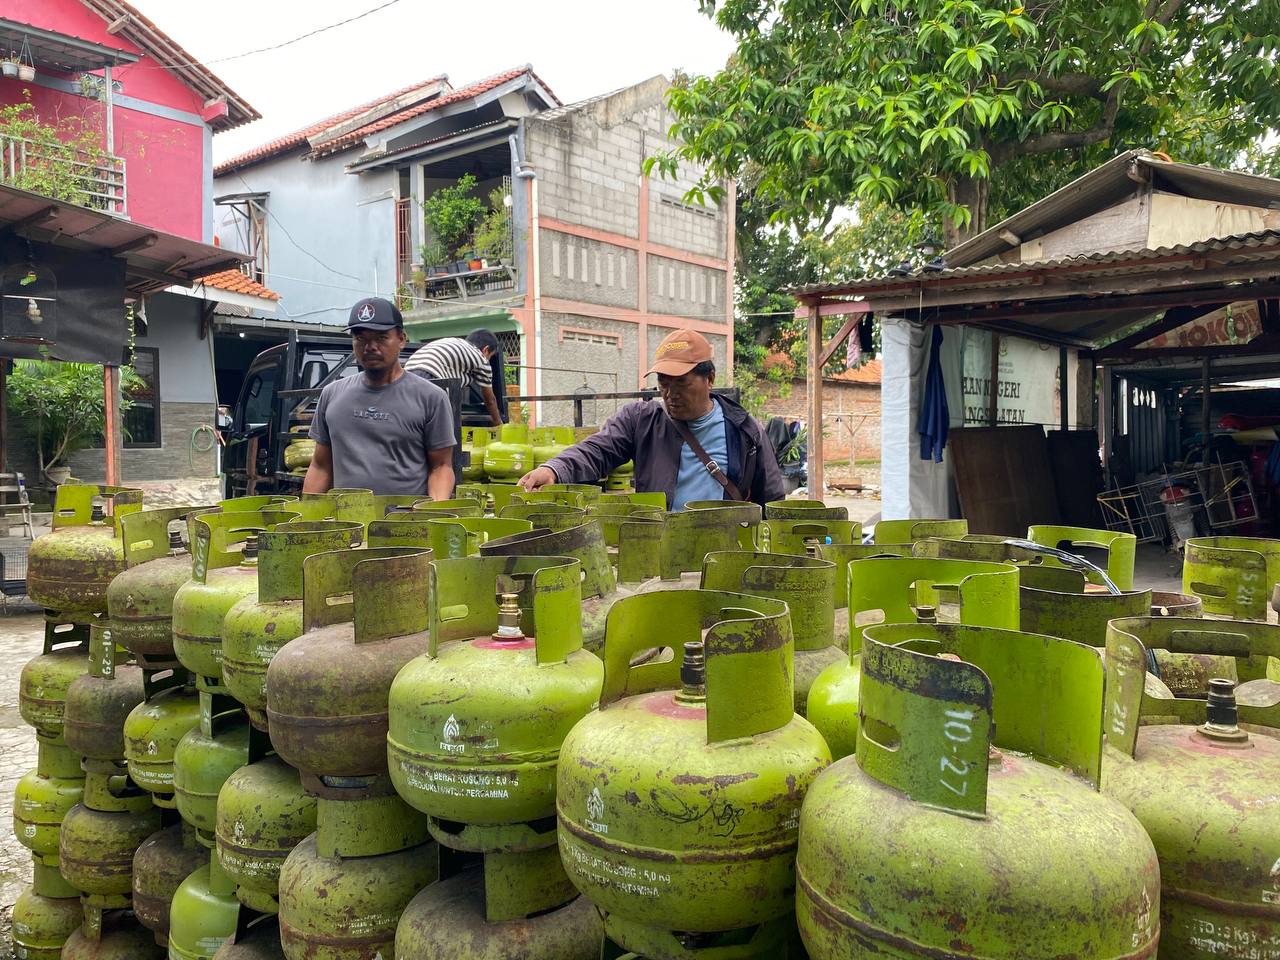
<point>434,259</point>
<point>9,65</point>
<point>26,64</point>
<point>64,404</point>
<point>492,237</point>
<point>451,214</point>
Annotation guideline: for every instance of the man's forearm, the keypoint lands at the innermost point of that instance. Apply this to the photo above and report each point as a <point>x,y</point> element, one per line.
<point>318,479</point>
<point>440,483</point>
<point>491,404</point>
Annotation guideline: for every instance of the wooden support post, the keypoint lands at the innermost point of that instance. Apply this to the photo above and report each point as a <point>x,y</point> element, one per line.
<point>995,379</point>
<point>1205,430</point>
<point>1064,390</point>
<point>113,427</point>
<point>813,383</point>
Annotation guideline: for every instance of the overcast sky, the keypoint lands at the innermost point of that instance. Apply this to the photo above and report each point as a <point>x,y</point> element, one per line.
<point>580,48</point>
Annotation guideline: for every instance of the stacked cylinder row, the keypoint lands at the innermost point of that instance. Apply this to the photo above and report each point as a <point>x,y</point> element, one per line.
<point>354,727</point>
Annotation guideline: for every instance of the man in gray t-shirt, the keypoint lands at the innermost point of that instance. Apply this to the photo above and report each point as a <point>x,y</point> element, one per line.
<point>380,429</point>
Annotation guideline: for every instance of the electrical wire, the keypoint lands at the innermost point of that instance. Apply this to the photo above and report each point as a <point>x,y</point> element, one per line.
<point>300,247</point>
<point>154,64</point>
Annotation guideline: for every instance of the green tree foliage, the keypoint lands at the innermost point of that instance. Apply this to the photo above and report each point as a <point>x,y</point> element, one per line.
<point>451,213</point>
<point>65,404</point>
<point>957,108</point>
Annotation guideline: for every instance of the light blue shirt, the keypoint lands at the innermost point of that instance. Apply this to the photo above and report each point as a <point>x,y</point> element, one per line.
<point>693,482</point>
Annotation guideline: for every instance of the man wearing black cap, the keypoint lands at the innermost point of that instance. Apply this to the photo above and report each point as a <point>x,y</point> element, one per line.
<point>381,430</point>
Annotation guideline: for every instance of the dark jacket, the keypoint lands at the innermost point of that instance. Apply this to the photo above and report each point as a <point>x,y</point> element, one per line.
<point>643,432</point>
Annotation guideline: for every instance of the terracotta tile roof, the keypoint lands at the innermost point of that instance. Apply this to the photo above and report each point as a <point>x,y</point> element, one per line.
<point>300,138</point>
<point>418,109</point>
<point>233,281</point>
<point>140,31</point>
<point>868,372</point>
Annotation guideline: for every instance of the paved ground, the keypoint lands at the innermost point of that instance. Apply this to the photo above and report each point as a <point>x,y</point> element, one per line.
<point>21,636</point>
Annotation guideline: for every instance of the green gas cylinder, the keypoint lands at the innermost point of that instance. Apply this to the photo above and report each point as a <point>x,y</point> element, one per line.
<point>46,677</point>
<point>259,624</point>
<point>474,440</point>
<point>224,569</point>
<point>44,797</point>
<point>909,531</point>
<point>701,528</point>
<point>489,703</point>
<point>678,808</point>
<point>805,584</point>
<point>343,888</point>
<point>1204,788</point>
<point>1232,576</point>
<point>263,813</point>
<point>969,823</point>
<point>140,598</point>
<point>471,915</point>
<point>458,506</point>
<point>203,914</point>
<point>69,568</point>
<point>463,536</point>
<point>841,554</point>
<point>906,590</point>
<point>44,916</point>
<point>551,442</point>
<point>99,701</point>
<point>119,937</point>
<point>800,537</point>
<point>803,510</point>
<point>327,690</point>
<point>155,727</point>
<point>1114,552</point>
<point>100,834</point>
<point>161,863</point>
<point>585,543</point>
<point>1054,601</point>
<point>205,757</point>
<point>546,516</point>
<point>509,457</point>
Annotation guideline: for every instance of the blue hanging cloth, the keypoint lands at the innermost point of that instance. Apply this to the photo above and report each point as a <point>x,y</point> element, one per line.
<point>935,418</point>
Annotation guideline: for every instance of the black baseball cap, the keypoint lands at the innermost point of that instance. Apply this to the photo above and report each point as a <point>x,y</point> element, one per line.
<point>374,313</point>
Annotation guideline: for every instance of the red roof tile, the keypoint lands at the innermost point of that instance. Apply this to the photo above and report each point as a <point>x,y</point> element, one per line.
<point>300,138</point>
<point>233,281</point>
<point>417,110</point>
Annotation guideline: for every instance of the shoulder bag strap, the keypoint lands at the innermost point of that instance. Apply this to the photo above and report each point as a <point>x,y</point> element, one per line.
<point>713,468</point>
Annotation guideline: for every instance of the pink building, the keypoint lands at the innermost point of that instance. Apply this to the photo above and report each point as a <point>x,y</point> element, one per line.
<point>101,68</point>
<point>102,65</point>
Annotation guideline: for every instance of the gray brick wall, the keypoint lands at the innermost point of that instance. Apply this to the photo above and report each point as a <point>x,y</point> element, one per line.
<point>612,365</point>
<point>685,290</point>
<point>172,460</point>
<point>575,268</point>
<point>590,162</point>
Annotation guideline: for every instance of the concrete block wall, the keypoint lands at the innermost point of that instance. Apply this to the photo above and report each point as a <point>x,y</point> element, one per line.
<point>575,268</point>
<point>685,290</point>
<point>173,459</point>
<point>587,174</point>
<point>610,359</point>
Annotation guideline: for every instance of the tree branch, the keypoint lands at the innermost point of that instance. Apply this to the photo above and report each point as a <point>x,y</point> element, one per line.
<point>1072,84</point>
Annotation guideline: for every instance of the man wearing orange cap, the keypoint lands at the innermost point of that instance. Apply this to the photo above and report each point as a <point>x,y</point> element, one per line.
<point>695,445</point>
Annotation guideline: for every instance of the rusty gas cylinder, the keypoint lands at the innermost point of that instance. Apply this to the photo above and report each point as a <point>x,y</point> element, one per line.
<point>678,808</point>
<point>327,690</point>
<point>258,625</point>
<point>937,840</point>
<point>69,568</point>
<point>1201,784</point>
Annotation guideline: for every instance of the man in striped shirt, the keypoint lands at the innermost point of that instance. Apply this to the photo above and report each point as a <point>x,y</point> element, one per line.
<point>453,358</point>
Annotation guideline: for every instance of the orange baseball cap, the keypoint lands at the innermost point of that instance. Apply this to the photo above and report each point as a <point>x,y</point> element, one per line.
<point>679,352</point>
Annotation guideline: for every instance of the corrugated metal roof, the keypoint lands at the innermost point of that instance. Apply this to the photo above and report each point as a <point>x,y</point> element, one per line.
<point>153,259</point>
<point>1244,247</point>
<point>1109,184</point>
